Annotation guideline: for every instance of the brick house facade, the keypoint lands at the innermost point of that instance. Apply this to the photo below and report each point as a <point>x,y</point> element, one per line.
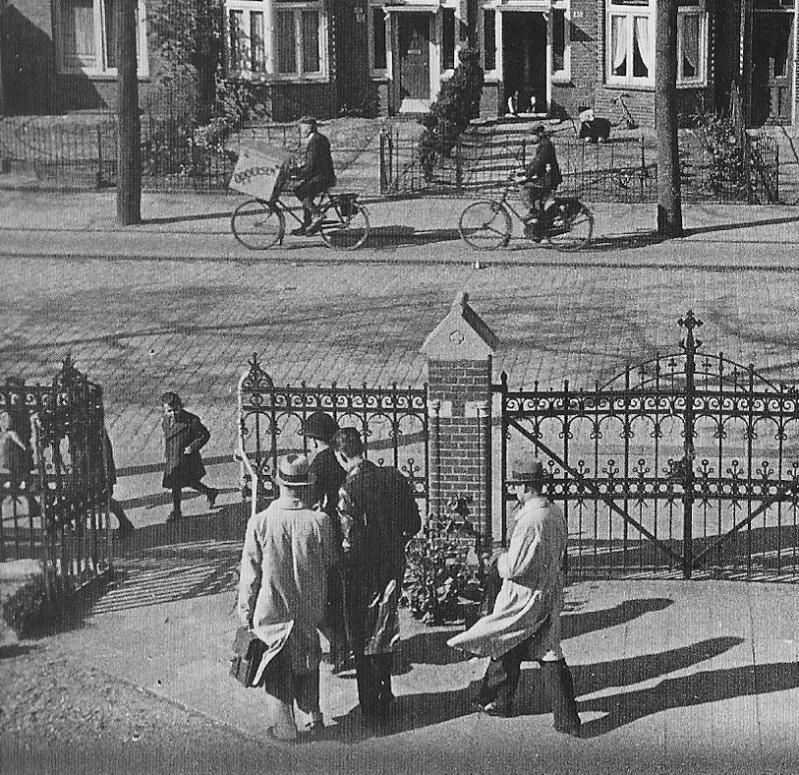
<point>389,57</point>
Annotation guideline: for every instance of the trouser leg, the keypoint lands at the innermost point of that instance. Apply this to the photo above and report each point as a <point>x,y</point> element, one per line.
<point>306,692</point>
<point>559,687</point>
<point>501,678</point>
<point>199,487</point>
<point>116,509</point>
<point>176,500</point>
<point>373,673</point>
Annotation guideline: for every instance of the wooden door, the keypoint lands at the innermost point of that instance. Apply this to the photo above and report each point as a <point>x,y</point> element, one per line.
<point>772,68</point>
<point>414,54</point>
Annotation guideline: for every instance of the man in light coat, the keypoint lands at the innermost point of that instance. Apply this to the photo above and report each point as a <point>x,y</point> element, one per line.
<point>288,550</point>
<point>525,622</point>
<point>379,515</point>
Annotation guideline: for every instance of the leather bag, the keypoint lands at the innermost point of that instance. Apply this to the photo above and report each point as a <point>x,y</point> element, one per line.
<point>248,650</point>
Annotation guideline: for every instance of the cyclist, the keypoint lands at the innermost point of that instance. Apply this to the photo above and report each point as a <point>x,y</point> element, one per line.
<point>541,177</point>
<point>315,175</point>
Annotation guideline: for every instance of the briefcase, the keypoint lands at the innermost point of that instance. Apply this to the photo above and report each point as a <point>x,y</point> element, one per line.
<point>248,650</point>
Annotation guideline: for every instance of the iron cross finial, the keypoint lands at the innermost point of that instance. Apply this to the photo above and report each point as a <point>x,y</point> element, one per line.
<point>690,321</point>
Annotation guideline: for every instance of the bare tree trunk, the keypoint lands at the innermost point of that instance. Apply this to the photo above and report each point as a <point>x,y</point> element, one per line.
<point>129,133</point>
<point>669,196</point>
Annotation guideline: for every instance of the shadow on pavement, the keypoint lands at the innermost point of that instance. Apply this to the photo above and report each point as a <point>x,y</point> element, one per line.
<point>739,225</point>
<point>575,624</point>
<point>425,709</point>
<point>685,691</point>
<point>185,218</point>
<point>397,236</point>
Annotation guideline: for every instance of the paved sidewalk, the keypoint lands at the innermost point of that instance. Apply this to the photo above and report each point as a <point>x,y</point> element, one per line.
<point>671,677</point>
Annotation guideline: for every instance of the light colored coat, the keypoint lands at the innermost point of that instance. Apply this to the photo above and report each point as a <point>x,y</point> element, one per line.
<point>288,549</point>
<point>531,598</point>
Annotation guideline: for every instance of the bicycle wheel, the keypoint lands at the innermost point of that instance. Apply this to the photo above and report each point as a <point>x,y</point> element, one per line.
<point>258,225</point>
<point>571,232</point>
<point>345,232</point>
<point>485,225</point>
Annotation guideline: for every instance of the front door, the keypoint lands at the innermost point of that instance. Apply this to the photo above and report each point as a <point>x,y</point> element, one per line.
<point>414,56</point>
<point>772,67</point>
<point>524,59</point>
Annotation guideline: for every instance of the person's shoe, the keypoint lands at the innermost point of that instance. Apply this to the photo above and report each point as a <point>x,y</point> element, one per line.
<point>317,723</point>
<point>301,231</point>
<point>212,496</point>
<point>316,224</point>
<point>492,709</point>
<point>174,516</point>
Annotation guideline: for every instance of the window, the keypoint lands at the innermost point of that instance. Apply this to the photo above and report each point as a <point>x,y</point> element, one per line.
<point>247,42</point>
<point>87,40</point>
<point>560,37</point>
<point>447,38</point>
<point>691,43</point>
<point>293,48</point>
<point>630,42</point>
<point>489,39</point>
<point>378,41</point>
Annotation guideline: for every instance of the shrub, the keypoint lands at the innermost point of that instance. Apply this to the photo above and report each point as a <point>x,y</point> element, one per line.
<point>26,608</point>
<point>457,104</point>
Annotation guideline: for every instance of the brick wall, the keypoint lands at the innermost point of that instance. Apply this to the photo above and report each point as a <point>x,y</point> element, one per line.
<point>585,47</point>
<point>459,392</point>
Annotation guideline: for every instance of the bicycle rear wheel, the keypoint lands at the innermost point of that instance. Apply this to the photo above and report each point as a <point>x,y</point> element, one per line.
<point>485,225</point>
<point>568,233</point>
<point>345,232</point>
<point>257,224</point>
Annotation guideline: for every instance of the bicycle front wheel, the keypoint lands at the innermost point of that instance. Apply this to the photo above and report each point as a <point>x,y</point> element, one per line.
<point>485,225</point>
<point>345,232</point>
<point>258,225</point>
<point>568,233</point>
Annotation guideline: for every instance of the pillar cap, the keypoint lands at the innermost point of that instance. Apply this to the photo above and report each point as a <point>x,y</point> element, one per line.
<point>461,336</point>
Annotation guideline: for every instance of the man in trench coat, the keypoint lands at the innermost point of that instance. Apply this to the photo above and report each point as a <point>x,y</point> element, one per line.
<point>184,437</point>
<point>525,622</point>
<point>288,551</point>
<point>378,514</point>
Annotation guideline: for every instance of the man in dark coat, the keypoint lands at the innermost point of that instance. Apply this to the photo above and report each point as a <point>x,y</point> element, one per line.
<point>315,175</point>
<point>541,176</point>
<point>378,514</point>
<point>184,437</point>
<point>319,429</point>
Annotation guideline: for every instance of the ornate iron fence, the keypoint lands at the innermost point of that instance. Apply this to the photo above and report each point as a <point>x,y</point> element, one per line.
<point>392,421</point>
<point>55,490</point>
<point>686,464</point>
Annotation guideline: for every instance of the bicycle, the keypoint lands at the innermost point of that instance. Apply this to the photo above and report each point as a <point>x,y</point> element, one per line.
<point>567,224</point>
<point>340,220</point>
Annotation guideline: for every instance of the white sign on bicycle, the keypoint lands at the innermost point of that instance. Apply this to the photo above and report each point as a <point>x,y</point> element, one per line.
<point>260,174</point>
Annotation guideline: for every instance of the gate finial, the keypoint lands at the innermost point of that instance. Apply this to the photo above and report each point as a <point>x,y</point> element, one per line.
<point>690,322</point>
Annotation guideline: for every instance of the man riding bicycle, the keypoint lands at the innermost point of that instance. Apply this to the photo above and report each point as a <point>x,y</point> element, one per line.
<point>315,175</point>
<point>540,178</point>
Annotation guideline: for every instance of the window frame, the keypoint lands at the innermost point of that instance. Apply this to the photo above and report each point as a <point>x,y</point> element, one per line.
<point>270,10</point>
<point>564,75</point>
<point>451,6</point>
<point>629,13</point>
<point>100,67</point>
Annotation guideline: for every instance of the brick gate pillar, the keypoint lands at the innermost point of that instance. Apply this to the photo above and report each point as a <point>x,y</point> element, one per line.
<point>459,352</point>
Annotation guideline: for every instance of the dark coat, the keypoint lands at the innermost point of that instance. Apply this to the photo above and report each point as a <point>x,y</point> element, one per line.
<point>378,515</point>
<point>318,161</point>
<point>537,168</point>
<point>182,444</point>
<point>328,477</point>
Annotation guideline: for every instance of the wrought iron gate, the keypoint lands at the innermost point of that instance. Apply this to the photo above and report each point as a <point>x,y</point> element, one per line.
<point>392,421</point>
<point>54,492</point>
<point>686,464</point>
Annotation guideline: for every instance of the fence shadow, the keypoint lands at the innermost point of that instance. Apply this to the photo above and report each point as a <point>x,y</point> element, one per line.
<point>398,236</point>
<point>188,218</point>
<point>739,225</point>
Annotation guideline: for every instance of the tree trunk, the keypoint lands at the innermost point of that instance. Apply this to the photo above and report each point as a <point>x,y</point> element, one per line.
<point>129,132</point>
<point>669,197</point>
